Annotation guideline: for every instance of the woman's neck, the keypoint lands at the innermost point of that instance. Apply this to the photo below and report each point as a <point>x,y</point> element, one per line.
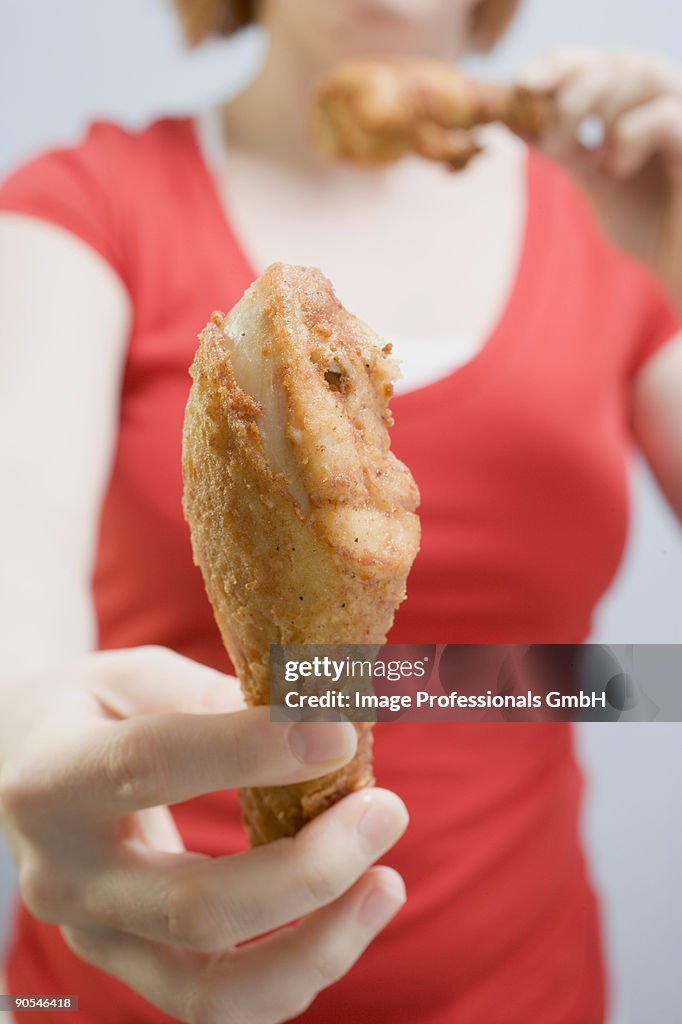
<point>270,117</point>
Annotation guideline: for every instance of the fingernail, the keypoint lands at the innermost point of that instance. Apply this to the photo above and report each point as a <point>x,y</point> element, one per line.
<point>381,904</point>
<point>381,824</point>
<point>318,742</point>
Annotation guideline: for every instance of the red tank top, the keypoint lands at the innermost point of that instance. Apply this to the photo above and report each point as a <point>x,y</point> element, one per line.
<point>520,457</point>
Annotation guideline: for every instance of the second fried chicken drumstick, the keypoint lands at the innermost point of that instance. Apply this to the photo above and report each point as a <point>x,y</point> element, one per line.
<point>302,520</point>
<point>379,110</point>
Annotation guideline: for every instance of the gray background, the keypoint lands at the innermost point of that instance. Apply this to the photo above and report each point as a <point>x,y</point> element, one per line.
<point>63,62</point>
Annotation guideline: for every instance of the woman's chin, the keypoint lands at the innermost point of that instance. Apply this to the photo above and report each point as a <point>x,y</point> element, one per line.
<point>396,43</point>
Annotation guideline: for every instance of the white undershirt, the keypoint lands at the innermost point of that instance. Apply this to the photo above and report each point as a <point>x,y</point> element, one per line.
<point>425,360</point>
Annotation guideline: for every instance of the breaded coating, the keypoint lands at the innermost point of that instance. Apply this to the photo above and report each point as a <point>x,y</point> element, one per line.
<point>376,111</point>
<point>302,520</point>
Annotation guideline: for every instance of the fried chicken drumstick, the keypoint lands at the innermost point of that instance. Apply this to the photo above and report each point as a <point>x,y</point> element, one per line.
<point>379,110</point>
<point>302,520</point>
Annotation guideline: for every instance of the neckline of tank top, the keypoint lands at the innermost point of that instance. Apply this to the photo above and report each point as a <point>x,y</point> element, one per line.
<point>425,360</point>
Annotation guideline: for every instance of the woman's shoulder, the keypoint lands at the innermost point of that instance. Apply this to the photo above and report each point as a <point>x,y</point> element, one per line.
<point>159,134</point>
<point>103,152</point>
<point>104,183</point>
<point>106,140</point>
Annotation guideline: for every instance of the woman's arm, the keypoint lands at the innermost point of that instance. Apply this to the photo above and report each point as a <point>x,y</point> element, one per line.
<point>657,418</point>
<point>64,318</point>
<point>634,176</point>
<point>91,753</point>
<point>634,179</point>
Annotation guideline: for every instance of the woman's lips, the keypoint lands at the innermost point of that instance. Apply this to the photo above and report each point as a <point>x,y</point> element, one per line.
<point>377,16</point>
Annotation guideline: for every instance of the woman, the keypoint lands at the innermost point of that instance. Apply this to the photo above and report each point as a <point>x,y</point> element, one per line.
<point>534,352</point>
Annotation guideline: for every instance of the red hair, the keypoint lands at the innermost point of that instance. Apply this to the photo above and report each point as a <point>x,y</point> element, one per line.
<point>492,18</point>
<point>204,18</point>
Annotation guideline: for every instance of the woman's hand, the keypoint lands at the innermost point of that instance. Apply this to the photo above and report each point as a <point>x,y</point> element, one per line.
<point>90,759</point>
<point>634,177</point>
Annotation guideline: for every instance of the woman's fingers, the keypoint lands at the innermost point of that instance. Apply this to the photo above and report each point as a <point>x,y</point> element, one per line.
<point>582,96</point>
<point>610,86</point>
<point>90,810</point>
<point>652,128</point>
<point>300,962</point>
<point>158,973</point>
<point>169,758</point>
<point>581,81</point>
<point>210,905</point>
<point>552,70</point>
<point>98,768</point>
<point>266,982</point>
<point>153,760</point>
<point>549,70</point>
